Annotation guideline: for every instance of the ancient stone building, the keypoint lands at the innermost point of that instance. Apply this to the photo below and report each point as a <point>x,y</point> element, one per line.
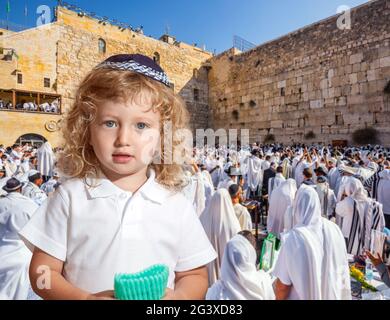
<point>317,84</point>
<point>317,80</point>
<point>51,61</point>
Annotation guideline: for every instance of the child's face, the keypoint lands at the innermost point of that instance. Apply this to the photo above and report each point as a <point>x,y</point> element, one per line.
<point>124,137</point>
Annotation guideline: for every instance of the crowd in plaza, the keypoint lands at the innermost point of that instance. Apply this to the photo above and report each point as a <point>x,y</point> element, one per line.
<point>323,203</point>
<point>47,107</point>
<point>102,206</point>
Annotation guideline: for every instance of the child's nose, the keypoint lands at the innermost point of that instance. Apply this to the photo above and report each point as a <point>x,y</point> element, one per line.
<point>124,137</point>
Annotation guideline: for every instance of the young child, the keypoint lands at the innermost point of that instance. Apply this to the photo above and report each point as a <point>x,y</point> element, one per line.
<point>118,212</point>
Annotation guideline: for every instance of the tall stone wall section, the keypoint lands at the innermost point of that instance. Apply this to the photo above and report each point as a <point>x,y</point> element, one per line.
<point>79,52</point>
<point>319,78</point>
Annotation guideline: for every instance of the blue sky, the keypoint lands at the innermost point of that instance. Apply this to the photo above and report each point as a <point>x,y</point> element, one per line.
<point>209,22</point>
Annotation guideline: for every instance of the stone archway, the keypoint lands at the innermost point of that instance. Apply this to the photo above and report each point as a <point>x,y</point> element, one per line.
<point>32,138</point>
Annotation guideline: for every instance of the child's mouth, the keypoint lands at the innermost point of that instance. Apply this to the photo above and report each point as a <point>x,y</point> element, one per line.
<point>122,158</point>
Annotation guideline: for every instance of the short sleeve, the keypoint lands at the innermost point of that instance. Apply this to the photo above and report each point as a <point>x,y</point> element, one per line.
<point>195,249</point>
<point>47,229</point>
<point>281,268</point>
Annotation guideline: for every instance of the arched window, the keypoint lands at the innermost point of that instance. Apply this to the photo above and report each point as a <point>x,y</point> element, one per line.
<point>33,138</point>
<point>156,57</point>
<point>102,46</point>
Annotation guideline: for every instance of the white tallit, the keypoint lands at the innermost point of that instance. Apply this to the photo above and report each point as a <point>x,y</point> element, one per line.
<point>360,215</point>
<point>384,190</point>
<point>254,173</point>
<point>15,211</point>
<point>221,224</point>
<point>313,256</point>
<point>46,159</point>
<point>239,278</point>
<point>281,198</point>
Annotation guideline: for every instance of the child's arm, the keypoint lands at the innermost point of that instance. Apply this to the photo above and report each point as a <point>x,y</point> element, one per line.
<point>189,285</point>
<point>47,280</point>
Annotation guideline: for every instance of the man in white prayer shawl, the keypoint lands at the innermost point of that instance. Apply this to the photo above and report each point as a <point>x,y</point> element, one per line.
<point>360,215</point>
<point>195,189</point>
<point>276,181</point>
<point>221,224</point>
<point>32,188</point>
<point>254,173</point>
<point>242,213</point>
<point>379,188</point>
<point>46,160</point>
<point>239,278</point>
<point>282,197</point>
<point>327,197</point>
<point>313,262</point>
<point>15,211</point>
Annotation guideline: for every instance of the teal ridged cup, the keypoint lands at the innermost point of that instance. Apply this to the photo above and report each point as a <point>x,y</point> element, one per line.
<point>149,284</point>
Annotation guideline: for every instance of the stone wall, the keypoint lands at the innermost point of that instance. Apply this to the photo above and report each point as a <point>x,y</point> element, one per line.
<point>35,59</point>
<point>318,79</point>
<point>79,53</point>
<point>66,50</point>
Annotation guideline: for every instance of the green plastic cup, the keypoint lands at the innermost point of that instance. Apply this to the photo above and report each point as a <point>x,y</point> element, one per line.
<point>149,284</point>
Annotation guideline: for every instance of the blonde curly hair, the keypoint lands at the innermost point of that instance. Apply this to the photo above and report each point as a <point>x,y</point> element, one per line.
<point>78,159</point>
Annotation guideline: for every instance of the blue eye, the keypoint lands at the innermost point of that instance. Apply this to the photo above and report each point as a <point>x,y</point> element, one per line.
<point>110,124</point>
<point>141,125</point>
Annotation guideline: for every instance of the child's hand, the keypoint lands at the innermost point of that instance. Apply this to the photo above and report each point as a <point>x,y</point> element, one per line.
<point>105,295</point>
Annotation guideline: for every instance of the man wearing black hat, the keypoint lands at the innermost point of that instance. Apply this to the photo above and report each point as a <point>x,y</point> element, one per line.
<point>32,189</point>
<point>234,178</point>
<point>15,211</point>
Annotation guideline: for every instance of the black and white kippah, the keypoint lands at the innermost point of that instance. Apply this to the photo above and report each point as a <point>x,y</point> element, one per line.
<point>137,63</point>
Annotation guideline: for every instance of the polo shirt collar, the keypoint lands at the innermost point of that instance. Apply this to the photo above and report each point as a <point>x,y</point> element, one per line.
<point>101,187</point>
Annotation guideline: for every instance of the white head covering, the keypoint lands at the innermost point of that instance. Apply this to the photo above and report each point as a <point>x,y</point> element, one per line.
<point>354,188</point>
<point>254,173</point>
<point>239,278</point>
<point>313,253</point>
<point>281,198</point>
<point>221,224</point>
<point>45,156</point>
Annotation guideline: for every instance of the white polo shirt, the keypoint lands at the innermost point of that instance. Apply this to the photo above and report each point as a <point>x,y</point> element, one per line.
<point>103,230</point>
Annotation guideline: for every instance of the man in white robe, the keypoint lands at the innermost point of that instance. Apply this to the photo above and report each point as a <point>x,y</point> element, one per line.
<point>360,215</point>
<point>239,278</point>
<point>32,188</point>
<point>241,212</point>
<point>254,173</point>
<point>327,197</point>
<point>276,181</point>
<point>282,197</point>
<point>312,263</point>
<point>379,188</point>
<point>221,224</point>
<point>15,211</point>
<point>46,160</point>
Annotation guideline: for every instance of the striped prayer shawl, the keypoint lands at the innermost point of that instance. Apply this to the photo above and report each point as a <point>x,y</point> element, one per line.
<point>357,233</point>
<point>377,214</point>
<point>371,185</point>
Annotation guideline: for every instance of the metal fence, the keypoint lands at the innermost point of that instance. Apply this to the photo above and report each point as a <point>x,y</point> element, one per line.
<point>242,44</point>
<point>11,26</point>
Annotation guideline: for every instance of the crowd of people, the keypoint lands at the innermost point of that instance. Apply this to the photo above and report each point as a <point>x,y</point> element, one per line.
<point>47,107</point>
<point>102,206</point>
<point>323,204</point>
<point>326,205</point>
